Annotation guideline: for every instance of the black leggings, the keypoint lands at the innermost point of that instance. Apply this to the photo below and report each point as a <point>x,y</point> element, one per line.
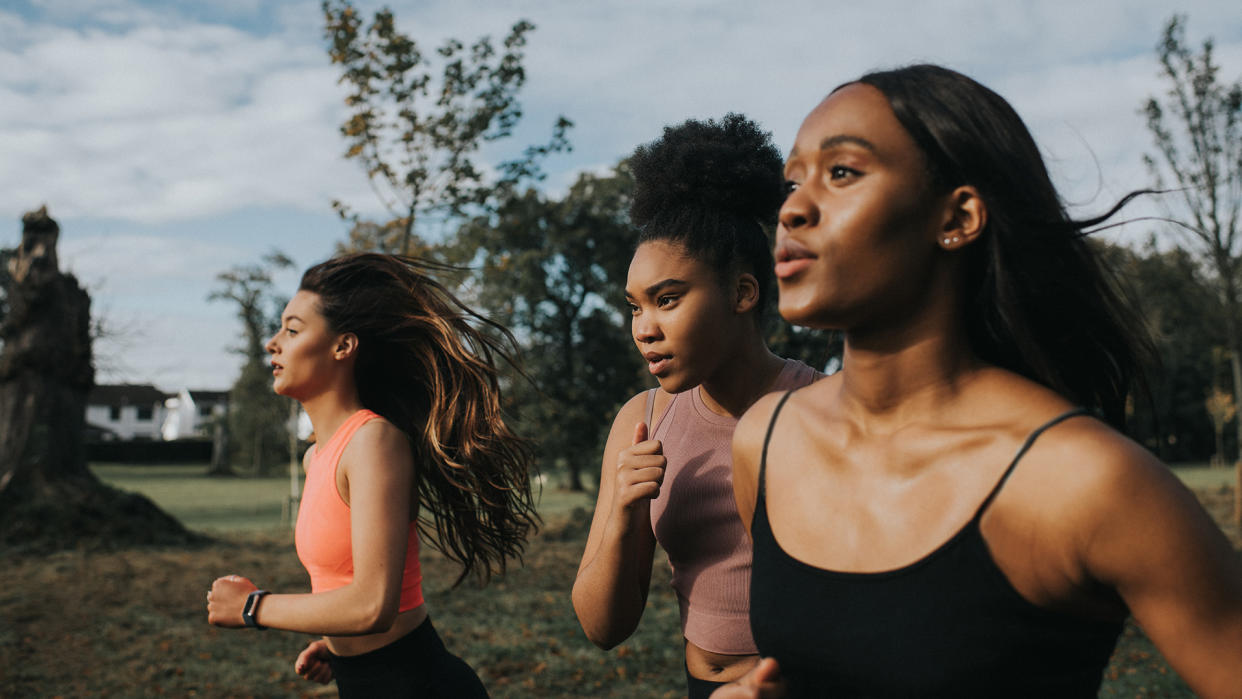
<point>415,665</point>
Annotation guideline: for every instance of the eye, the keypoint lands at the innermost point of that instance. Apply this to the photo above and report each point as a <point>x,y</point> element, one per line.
<point>291,331</point>
<point>633,308</point>
<point>790,186</point>
<point>666,300</point>
<point>840,172</point>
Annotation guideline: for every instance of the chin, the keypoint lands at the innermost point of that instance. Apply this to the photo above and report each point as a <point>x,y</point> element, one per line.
<point>676,384</point>
<point>807,315</point>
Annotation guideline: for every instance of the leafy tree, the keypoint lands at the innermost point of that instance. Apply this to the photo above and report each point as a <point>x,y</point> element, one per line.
<point>1184,317</point>
<point>554,271</point>
<point>256,421</point>
<point>418,136</point>
<point>1197,130</point>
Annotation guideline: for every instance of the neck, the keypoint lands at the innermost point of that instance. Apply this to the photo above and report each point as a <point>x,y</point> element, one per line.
<point>895,376</point>
<point>743,378</point>
<point>328,410</point>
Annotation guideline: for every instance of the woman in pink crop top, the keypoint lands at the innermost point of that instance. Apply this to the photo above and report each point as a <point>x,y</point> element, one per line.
<point>400,386</point>
<point>697,287</point>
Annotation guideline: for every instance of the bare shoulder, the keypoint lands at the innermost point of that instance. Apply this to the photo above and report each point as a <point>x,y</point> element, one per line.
<point>377,444</point>
<point>632,411</point>
<point>753,425</point>
<point>1091,479</point>
<point>1085,452</point>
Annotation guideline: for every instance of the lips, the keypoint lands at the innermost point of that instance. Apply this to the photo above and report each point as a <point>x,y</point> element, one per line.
<point>791,257</point>
<point>276,369</point>
<point>656,362</point>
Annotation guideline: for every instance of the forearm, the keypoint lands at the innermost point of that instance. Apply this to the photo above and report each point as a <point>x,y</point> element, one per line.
<point>610,591</point>
<point>345,611</point>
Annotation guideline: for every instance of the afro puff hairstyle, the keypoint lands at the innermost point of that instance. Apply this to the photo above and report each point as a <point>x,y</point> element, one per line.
<point>712,187</point>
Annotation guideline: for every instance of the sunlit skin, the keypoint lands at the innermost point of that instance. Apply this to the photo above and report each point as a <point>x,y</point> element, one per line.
<point>894,453</point>
<point>694,329</point>
<point>315,366</point>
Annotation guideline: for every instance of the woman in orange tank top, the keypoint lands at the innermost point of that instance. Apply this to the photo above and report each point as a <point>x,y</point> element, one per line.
<point>400,383</point>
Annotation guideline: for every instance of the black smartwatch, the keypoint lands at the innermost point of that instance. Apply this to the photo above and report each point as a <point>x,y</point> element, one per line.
<point>252,606</point>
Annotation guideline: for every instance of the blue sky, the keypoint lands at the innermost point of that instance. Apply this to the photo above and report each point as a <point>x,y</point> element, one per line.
<point>172,140</point>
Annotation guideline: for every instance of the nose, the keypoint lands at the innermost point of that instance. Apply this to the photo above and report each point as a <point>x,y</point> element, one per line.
<point>270,346</point>
<point>799,210</point>
<point>645,328</point>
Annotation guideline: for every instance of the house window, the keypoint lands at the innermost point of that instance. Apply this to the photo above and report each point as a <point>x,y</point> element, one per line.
<point>114,412</point>
<point>144,412</point>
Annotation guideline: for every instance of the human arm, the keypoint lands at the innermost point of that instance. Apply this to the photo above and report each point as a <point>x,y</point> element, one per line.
<point>376,476</point>
<point>614,577</point>
<point>1148,538</point>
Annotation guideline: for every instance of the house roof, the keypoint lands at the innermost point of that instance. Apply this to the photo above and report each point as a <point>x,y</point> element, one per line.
<point>126,394</point>
<point>208,396</point>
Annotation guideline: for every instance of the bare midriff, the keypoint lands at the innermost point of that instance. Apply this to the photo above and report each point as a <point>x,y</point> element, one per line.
<point>717,667</point>
<point>406,622</point>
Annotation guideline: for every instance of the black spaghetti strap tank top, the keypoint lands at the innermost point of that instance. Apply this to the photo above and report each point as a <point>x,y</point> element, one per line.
<point>947,625</point>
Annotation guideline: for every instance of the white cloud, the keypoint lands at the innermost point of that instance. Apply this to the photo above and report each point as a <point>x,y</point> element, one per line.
<point>179,115</point>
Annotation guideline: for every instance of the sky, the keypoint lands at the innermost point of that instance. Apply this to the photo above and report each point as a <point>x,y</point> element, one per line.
<point>173,140</point>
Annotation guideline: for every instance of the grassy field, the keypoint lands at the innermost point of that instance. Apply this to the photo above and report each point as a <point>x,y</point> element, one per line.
<point>132,623</point>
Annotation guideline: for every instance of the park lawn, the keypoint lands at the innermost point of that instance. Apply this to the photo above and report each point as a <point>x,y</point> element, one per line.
<point>132,622</point>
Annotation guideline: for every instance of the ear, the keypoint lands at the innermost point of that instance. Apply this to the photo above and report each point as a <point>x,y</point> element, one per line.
<point>747,293</point>
<point>346,346</point>
<point>966,215</point>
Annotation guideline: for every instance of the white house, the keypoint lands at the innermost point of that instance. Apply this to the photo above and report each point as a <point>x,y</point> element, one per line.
<point>126,411</point>
<point>190,412</point>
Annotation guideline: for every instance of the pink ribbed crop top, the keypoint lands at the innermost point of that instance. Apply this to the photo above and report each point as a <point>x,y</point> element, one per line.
<point>695,518</point>
<point>322,535</point>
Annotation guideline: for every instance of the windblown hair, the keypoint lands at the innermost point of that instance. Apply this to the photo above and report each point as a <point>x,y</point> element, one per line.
<point>712,187</point>
<point>428,364</point>
<point>1038,300</point>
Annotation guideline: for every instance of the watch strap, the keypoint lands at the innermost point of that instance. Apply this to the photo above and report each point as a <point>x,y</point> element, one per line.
<point>252,606</point>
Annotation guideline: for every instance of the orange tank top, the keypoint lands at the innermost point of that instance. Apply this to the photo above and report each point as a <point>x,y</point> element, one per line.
<point>322,535</point>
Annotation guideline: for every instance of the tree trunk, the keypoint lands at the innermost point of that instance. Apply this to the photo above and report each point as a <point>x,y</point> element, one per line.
<point>221,465</point>
<point>48,497</point>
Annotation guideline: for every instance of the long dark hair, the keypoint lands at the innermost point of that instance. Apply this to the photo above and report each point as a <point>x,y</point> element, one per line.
<point>1038,300</point>
<point>712,187</point>
<point>428,364</point>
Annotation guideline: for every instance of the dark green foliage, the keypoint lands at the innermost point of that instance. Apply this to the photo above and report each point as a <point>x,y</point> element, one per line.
<point>256,422</point>
<point>418,134</point>
<point>554,272</point>
<point>1185,317</point>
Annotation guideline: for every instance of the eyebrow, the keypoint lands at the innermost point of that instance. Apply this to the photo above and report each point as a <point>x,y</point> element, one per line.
<point>659,286</point>
<point>840,139</point>
<point>293,317</point>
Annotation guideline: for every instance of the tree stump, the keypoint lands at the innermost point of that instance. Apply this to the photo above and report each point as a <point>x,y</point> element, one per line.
<point>49,499</point>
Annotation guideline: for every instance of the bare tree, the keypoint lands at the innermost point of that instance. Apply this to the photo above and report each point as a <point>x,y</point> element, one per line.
<point>1197,130</point>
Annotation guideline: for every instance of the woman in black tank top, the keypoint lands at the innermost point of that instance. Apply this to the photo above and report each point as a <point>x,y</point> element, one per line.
<point>955,513</point>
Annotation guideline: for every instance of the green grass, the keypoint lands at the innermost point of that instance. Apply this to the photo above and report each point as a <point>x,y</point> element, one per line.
<point>200,502</point>
<point>1199,476</point>
<point>218,505</point>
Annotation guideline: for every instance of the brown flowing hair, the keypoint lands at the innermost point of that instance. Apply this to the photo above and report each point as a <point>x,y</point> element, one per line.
<point>428,364</point>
